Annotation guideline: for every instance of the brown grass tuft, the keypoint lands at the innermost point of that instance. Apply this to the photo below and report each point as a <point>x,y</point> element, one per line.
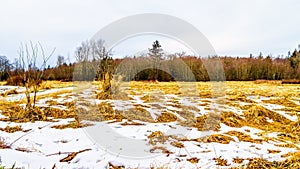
<point>243,137</point>
<point>9,129</point>
<point>232,119</point>
<point>73,124</point>
<point>166,117</point>
<point>238,160</point>
<point>193,160</point>
<point>209,121</point>
<point>177,144</point>
<point>217,138</point>
<point>157,137</point>
<point>221,162</point>
<point>3,144</point>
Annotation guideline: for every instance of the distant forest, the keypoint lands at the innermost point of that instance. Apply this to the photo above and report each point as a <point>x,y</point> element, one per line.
<point>90,54</point>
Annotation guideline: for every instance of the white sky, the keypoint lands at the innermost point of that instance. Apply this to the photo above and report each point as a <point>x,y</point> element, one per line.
<point>233,27</point>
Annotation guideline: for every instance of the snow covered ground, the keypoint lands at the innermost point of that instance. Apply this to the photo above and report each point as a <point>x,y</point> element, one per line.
<point>111,143</point>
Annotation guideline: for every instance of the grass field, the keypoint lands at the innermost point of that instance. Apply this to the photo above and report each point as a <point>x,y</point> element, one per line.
<point>179,124</point>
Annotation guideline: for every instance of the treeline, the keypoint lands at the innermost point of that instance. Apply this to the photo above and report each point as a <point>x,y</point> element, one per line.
<point>93,63</point>
<point>235,69</point>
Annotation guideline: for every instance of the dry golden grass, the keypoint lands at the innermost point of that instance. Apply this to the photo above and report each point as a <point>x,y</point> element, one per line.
<point>3,144</point>
<point>257,115</point>
<point>253,115</point>
<point>102,112</point>
<point>9,129</point>
<point>166,117</point>
<point>73,124</point>
<point>244,137</point>
<point>232,119</point>
<point>17,113</point>
<point>58,113</point>
<point>157,137</point>
<point>290,163</point>
<point>177,144</point>
<point>238,160</point>
<point>283,101</point>
<point>193,160</point>
<point>221,162</point>
<point>209,121</point>
<point>138,113</point>
<point>217,138</point>
<point>131,123</point>
<point>163,149</point>
<point>9,92</point>
<point>273,151</point>
<point>105,112</point>
<point>240,98</point>
<point>112,166</point>
<point>55,94</point>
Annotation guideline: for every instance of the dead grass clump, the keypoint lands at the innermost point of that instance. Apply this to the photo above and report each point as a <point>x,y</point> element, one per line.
<point>190,108</point>
<point>274,151</point>
<point>244,137</point>
<point>209,121</point>
<point>58,113</point>
<point>295,137</point>
<point>138,113</point>
<point>112,166</point>
<point>104,95</point>
<point>9,129</point>
<point>292,162</point>
<point>221,162</point>
<point>286,145</point>
<point>157,137</point>
<point>9,92</point>
<point>259,163</point>
<point>232,119</point>
<point>166,117</point>
<point>73,124</point>
<point>177,144</point>
<point>69,104</point>
<point>45,85</point>
<point>19,114</point>
<point>163,149</point>
<point>155,134</point>
<point>146,98</point>
<point>188,116</point>
<point>107,112</point>
<point>283,102</point>
<point>131,123</point>
<point>238,160</point>
<point>151,98</point>
<point>217,138</point>
<point>193,160</point>
<point>16,113</point>
<point>103,112</point>
<point>51,102</point>
<point>294,126</point>
<point>240,97</point>
<point>257,115</point>
<point>3,144</point>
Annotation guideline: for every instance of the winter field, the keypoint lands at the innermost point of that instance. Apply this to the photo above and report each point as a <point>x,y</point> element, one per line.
<point>152,125</point>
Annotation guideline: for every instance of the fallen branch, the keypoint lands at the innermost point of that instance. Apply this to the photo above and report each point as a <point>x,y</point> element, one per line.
<point>71,155</point>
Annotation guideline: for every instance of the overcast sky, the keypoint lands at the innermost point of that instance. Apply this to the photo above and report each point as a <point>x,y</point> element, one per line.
<point>233,27</point>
